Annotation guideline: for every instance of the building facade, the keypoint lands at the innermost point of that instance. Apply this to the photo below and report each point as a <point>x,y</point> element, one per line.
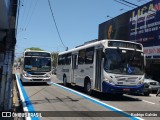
<point>141,25</point>
<point>8,10</point>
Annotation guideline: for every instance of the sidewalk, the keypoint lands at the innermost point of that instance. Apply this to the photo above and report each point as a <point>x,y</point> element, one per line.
<point>17,107</point>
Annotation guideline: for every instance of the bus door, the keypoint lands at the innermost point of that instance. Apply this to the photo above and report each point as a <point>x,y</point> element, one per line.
<point>98,68</point>
<point>74,67</point>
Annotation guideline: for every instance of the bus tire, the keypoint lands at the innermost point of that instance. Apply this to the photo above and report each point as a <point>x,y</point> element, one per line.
<point>146,94</point>
<point>87,87</point>
<point>64,80</point>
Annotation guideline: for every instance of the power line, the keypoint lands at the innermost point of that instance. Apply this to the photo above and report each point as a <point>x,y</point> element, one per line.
<point>141,1</point>
<point>123,3</point>
<point>56,24</point>
<point>129,3</point>
<point>22,2</point>
<point>24,10</point>
<point>17,17</point>
<point>34,7</point>
<point>27,13</point>
<point>26,20</point>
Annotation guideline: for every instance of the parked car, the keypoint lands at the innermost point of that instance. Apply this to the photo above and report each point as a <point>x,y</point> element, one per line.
<point>146,90</point>
<point>152,84</point>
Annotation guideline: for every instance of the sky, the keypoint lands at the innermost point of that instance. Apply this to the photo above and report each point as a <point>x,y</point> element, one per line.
<point>77,22</point>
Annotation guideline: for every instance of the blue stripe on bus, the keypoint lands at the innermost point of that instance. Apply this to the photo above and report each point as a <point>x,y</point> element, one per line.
<point>28,103</point>
<point>98,102</point>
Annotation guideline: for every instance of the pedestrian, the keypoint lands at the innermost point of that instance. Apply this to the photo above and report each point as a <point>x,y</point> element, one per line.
<point>158,92</point>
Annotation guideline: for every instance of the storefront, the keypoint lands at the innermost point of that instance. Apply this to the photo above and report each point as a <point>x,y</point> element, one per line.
<point>153,68</point>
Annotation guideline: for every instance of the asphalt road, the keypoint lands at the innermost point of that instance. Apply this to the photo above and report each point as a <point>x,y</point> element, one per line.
<point>54,98</point>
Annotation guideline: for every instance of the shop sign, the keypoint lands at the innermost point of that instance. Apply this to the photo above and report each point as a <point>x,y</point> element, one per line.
<point>152,51</point>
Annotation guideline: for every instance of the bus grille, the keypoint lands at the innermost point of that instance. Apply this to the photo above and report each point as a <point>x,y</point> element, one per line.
<point>127,79</point>
<point>36,73</point>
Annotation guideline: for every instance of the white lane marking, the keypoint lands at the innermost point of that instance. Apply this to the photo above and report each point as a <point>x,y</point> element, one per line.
<point>148,102</point>
<point>153,95</point>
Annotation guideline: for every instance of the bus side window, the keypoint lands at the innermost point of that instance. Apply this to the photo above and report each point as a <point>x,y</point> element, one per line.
<point>74,62</point>
<point>68,59</point>
<point>89,55</point>
<point>81,56</point>
<point>63,59</point>
<point>59,60</point>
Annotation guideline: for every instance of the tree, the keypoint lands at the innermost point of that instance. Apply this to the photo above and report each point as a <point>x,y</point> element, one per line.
<point>54,58</point>
<point>35,48</point>
<point>19,60</point>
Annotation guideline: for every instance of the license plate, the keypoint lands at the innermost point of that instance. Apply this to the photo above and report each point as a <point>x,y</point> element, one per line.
<point>126,89</point>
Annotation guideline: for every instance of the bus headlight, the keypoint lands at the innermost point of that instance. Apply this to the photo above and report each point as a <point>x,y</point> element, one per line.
<point>141,81</point>
<point>110,81</point>
<point>48,75</point>
<point>25,74</point>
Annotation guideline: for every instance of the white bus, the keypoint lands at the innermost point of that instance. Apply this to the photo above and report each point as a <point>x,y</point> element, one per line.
<point>36,66</point>
<point>110,66</point>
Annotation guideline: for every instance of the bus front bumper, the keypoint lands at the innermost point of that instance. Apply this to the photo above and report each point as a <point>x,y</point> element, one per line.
<point>113,89</point>
<point>39,79</point>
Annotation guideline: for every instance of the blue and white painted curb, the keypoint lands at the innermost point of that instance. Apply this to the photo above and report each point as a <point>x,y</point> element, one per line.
<point>27,105</point>
<point>114,109</point>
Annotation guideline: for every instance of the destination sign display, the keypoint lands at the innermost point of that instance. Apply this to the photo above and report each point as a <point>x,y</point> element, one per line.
<point>42,54</point>
<point>124,44</point>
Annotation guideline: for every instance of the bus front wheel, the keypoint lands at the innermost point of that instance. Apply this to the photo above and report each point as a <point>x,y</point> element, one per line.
<point>65,81</point>
<point>87,88</point>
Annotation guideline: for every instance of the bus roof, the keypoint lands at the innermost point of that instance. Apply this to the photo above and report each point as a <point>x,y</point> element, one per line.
<point>101,42</point>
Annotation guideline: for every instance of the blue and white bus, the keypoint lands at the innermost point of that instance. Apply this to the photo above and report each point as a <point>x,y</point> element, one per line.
<point>36,66</point>
<point>110,66</point>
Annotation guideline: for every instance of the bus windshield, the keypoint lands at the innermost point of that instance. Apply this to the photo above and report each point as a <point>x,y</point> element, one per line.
<point>120,61</point>
<point>38,64</point>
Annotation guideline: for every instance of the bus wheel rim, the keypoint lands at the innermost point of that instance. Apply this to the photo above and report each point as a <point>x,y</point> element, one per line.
<point>88,86</point>
<point>64,81</point>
